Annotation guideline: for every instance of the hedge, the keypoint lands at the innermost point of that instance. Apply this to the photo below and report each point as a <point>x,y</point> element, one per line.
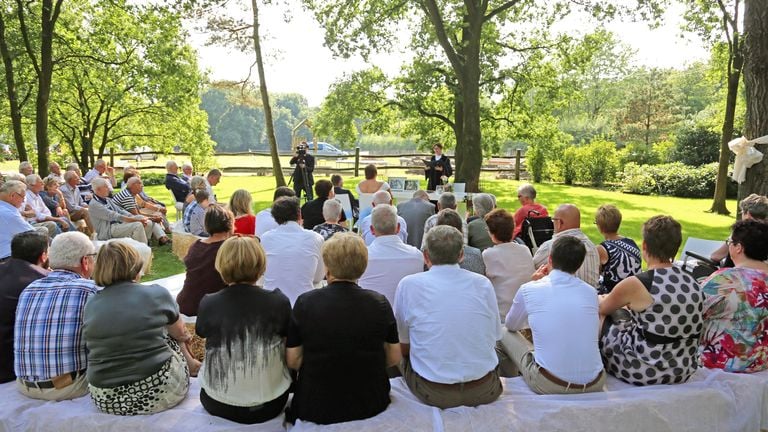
<point>675,179</point>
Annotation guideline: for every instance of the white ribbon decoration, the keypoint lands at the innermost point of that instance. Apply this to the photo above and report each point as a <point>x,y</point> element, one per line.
<point>746,156</point>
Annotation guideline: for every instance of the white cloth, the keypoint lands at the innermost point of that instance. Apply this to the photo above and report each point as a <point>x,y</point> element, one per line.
<point>589,271</point>
<point>390,260</point>
<point>211,196</point>
<point>507,265</point>
<point>294,263</point>
<point>746,156</point>
<point>450,319</point>
<point>368,237</point>
<point>432,221</point>
<point>264,222</point>
<point>37,204</point>
<point>563,314</point>
<point>92,174</point>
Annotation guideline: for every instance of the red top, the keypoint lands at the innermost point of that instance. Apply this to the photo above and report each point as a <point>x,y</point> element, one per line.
<point>522,213</point>
<point>245,225</point>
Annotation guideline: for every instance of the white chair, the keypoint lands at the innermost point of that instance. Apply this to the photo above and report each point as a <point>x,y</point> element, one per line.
<point>459,188</point>
<point>346,205</point>
<point>179,206</point>
<point>365,200</point>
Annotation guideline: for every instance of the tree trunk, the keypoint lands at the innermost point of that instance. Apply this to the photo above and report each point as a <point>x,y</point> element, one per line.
<point>471,153</point>
<point>13,98</point>
<point>47,24</point>
<point>721,185</point>
<point>756,86</point>
<point>276,168</point>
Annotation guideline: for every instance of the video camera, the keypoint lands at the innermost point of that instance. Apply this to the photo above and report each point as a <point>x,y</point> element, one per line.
<point>301,150</point>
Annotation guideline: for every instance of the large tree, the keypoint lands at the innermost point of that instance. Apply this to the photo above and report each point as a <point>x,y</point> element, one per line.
<point>756,84</point>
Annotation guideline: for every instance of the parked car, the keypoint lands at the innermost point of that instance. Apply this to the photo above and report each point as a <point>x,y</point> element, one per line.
<point>325,149</point>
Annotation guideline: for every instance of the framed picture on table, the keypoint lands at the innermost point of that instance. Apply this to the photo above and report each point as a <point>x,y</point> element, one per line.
<point>396,183</point>
<point>411,185</point>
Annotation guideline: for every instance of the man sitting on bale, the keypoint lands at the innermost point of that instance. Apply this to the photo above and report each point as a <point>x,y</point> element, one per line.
<point>50,356</point>
<point>111,221</point>
<point>448,322</point>
<point>126,200</point>
<point>563,314</point>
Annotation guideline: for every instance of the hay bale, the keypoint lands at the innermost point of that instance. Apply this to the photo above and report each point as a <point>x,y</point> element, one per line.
<point>182,242</point>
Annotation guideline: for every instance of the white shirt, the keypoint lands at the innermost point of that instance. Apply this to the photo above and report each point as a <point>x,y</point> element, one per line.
<point>365,230</point>
<point>450,318</point>
<point>507,265</point>
<point>92,174</point>
<point>37,204</point>
<point>294,263</point>
<point>211,196</point>
<point>265,222</point>
<point>589,271</point>
<point>390,260</point>
<point>563,314</point>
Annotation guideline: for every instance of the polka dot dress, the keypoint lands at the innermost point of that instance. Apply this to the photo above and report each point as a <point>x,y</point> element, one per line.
<point>157,392</point>
<point>676,313</point>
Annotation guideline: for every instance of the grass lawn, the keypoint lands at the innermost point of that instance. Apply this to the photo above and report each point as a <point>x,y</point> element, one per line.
<point>636,209</point>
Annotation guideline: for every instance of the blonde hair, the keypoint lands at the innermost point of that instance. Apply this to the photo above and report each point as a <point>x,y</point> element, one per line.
<point>240,202</point>
<point>608,218</point>
<point>345,256</point>
<point>116,262</point>
<point>241,260</point>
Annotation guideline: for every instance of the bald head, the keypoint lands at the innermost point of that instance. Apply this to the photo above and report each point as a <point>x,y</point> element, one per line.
<point>567,216</point>
<point>382,197</point>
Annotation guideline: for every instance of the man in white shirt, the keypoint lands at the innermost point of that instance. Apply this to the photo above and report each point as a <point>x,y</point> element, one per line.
<point>212,179</point>
<point>563,314</point>
<point>76,205</point>
<point>100,169</point>
<point>37,213</point>
<point>389,259</point>
<point>294,263</point>
<point>264,220</point>
<point>448,322</point>
<point>567,222</point>
<point>54,171</point>
<point>447,200</point>
<point>364,226</point>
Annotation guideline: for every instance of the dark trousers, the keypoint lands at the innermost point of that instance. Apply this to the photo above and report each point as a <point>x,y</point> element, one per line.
<point>299,187</point>
<point>246,415</point>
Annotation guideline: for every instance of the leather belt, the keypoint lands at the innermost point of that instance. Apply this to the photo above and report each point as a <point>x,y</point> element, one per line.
<point>555,380</point>
<point>466,385</point>
<point>49,384</point>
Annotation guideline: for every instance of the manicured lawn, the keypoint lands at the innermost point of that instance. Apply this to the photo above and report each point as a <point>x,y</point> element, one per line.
<point>691,213</point>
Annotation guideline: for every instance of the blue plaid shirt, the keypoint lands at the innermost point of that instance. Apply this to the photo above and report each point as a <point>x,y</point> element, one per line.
<point>49,321</point>
<point>194,219</point>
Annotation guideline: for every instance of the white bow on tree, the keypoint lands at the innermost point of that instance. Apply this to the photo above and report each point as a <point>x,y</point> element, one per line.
<point>746,156</point>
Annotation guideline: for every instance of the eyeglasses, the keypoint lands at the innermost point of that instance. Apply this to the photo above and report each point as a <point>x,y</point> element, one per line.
<point>729,242</point>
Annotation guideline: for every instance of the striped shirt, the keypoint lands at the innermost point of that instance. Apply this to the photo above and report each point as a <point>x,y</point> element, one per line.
<point>48,330</point>
<point>125,200</point>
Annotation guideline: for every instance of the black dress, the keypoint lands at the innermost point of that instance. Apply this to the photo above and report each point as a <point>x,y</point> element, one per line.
<point>342,329</point>
<point>433,176</point>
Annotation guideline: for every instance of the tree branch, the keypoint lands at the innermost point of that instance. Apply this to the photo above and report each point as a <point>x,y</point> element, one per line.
<point>503,7</point>
<point>25,36</point>
<point>433,11</point>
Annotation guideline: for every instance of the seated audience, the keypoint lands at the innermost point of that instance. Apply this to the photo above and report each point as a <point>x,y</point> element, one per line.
<point>52,198</point>
<point>37,212</point>
<point>448,322</point>
<point>342,357</point>
<point>473,258</point>
<point>567,222</point>
<point>101,170</point>
<point>126,200</point>
<point>752,207</point>
<point>194,214</point>
<point>49,351</point>
<point>241,206</point>
<point>26,168</point>
<point>364,227</point>
<point>507,264</point>
<point>293,253</point>
<point>138,362</point>
<point>338,189</point>
<point>332,212</point>
<point>28,262</point>
<point>75,203</point>
<point>111,221</point>
<point>187,172</point>
<point>264,220</point>
<point>147,205</point>
<point>526,194</point>
<point>12,194</point>
<point>212,179</point>
<point>619,256</point>
<point>447,200</point>
<point>54,172</point>
<point>244,377</point>
<point>179,187</point>
<point>477,230</point>
<point>368,187</point>
<point>201,276</point>
<point>84,188</point>
<point>312,211</point>
<point>656,337</point>
<point>415,212</point>
<point>562,313</point>
<point>389,259</point>
<point>735,336</point>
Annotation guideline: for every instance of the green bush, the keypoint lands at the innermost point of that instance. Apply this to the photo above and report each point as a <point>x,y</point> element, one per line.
<point>597,162</point>
<point>674,179</point>
<point>568,166</point>
<point>696,146</point>
<point>152,179</point>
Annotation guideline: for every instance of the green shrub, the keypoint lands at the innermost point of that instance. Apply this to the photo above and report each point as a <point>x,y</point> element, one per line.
<point>696,146</point>
<point>152,179</point>
<point>673,179</point>
<point>568,166</point>
<point>597,162</point>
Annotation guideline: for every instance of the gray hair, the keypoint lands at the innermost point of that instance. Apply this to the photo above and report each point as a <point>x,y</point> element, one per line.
<point>170,164</point>
<point>133,180</point>
<point>384,219</point>
<point>447,200</point>
<point>186,165</point>
<point>33,179</point>
<point>12,186</point>
<point>197,182</point>
<point>421,194</point>
<point>24,165</point>
<point>756,205</point>
<point>482,204</point>
<point>100,162</point>
<point>99,183</point>
<point>53,164</point>
<point>332,210</point>
<point>73,166</point>
<point>67,249</point>
<point>381,197</point>
<point>16,176</point>
<point>444,244</point>
<point>68,175</point>
<point>527,190</point>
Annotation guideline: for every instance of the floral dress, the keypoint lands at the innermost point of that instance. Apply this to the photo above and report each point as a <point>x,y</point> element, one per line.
<point>735,336</point>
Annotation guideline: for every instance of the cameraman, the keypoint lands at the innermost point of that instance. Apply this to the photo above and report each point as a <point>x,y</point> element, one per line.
<point>302,174</point>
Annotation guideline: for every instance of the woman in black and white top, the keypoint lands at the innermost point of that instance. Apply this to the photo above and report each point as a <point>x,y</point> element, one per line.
<point>243,377</point>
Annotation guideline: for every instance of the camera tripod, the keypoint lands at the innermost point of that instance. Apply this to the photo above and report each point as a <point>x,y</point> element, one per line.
<point>302,168</point>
